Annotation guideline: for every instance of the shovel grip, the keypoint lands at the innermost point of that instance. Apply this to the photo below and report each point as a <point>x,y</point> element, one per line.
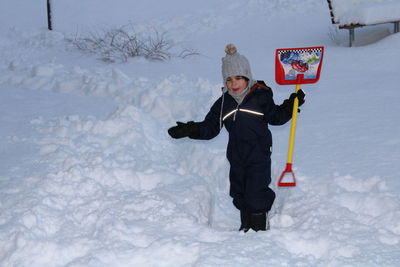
<point>288,170</point>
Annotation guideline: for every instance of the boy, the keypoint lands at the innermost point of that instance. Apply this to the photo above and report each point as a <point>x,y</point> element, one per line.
<point>245,108</point>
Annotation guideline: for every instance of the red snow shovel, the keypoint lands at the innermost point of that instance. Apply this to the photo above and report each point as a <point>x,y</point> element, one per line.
<point>296,66</point>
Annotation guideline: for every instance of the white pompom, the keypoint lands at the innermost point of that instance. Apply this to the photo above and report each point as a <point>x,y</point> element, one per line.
<point>230,49</point>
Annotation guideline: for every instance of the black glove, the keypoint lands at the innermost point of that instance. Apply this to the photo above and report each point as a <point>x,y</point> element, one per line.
<point>190,129</point>
<point>288,103</point>
<point>301,96</point>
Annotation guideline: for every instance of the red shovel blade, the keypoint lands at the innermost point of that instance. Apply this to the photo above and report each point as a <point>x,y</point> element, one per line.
<point>287,172</point>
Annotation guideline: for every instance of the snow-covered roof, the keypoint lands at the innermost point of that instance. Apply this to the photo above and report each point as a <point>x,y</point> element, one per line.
<point>365,11</point>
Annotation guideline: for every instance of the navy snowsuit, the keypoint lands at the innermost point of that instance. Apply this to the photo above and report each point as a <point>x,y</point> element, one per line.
<point>250,144</point>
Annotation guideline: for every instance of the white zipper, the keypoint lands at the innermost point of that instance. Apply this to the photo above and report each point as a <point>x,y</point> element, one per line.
<point>234,116</point>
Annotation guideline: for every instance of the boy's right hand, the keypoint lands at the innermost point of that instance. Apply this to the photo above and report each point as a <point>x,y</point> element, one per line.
<point>189,129</point>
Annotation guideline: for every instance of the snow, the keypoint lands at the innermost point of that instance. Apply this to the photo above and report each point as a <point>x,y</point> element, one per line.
<point>89,176</point>
<point>366,11</point>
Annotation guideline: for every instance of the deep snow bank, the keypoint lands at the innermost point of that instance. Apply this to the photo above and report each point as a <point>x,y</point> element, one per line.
<point>119,191</point>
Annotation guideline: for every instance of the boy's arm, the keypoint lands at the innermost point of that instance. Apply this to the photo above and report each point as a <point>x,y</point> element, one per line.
<point>280,114</point>
<point>205,130</point>
<point>210,127</point>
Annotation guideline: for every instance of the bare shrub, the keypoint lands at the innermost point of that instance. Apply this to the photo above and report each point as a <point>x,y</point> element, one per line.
<point>120,44</point>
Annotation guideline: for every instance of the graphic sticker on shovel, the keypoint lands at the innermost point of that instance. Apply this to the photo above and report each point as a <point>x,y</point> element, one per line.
<point>298,65</point>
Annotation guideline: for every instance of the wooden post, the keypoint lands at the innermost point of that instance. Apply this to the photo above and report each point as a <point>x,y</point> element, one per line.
<point>396,26</point>
<point>351,36</point>
<point>49,25</point>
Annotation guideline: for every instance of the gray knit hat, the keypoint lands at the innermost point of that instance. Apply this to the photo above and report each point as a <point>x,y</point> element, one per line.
<point>234,64</point>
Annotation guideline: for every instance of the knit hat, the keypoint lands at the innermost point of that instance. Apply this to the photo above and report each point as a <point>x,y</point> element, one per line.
<point>234,64</point>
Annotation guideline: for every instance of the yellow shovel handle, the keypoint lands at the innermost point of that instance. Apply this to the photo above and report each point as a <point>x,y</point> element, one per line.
<point>293,127</point>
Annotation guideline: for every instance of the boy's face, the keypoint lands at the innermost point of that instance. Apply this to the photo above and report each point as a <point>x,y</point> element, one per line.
<point>236,84</point>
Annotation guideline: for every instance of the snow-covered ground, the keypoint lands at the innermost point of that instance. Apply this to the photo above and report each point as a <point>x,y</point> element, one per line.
<point>89,176</point>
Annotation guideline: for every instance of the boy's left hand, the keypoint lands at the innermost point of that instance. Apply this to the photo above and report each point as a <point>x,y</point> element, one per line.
<point>301,96</point>
<point>288,103</point>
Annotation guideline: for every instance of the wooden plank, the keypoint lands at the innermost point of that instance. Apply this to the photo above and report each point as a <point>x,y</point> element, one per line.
<point>350,26</point>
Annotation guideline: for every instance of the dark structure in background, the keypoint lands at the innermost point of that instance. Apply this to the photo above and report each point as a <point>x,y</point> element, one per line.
<point>49,25</point>
<point>352,26</point>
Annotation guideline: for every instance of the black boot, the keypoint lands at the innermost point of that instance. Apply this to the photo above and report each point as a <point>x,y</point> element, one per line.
<point>259,221</point>
<point>245,221</point>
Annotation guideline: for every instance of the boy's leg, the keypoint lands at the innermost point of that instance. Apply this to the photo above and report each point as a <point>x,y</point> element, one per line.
<point>245,218</point>
<point>251,194</point>
<point>237,186</point>
<point>237,190</point>
<point>258,197</point>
